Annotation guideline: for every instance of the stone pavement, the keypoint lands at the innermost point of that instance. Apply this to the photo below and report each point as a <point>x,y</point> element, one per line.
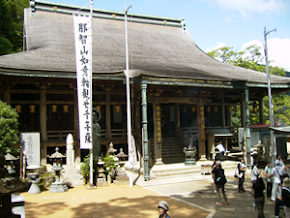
<point>188,196</point>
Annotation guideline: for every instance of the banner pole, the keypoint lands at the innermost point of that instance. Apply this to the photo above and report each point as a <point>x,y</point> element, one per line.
<point>91,79</point>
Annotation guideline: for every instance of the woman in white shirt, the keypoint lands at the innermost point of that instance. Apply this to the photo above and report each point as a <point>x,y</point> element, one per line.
<point>254,172</point>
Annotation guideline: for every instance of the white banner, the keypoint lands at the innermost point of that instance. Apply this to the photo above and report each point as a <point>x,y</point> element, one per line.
<point>83,49</point>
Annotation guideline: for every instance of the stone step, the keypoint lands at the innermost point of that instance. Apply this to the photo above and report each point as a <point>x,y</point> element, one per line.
<point>182,169</point>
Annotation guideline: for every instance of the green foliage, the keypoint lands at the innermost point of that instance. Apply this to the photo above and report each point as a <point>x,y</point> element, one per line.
<point>8,128</point>
<point>11,25</point>
<point>85,167</point>
<point>109,162</point>
<point>281,102</point>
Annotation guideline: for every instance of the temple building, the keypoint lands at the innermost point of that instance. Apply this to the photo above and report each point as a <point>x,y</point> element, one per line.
<point>178,92</point>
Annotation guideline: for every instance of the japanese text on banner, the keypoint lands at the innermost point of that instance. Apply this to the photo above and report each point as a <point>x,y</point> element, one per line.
<point>83,51</point>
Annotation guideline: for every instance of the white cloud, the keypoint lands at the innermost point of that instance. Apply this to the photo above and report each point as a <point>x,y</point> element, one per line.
<point>278,51</point>
<point>246,7</point>
<point>219,45</point>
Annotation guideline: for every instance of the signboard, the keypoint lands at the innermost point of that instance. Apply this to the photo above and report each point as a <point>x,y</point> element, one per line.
<point>83,51</point>
<point>30,144</point>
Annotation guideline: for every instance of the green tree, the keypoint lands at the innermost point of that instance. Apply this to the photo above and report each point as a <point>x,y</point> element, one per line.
<point>8,128</point>
<point>11,25</point>
<point>250,59</point>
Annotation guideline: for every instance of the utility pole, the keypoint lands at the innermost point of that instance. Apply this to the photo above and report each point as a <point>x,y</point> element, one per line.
<point>273,150</point>
<point>128,100</point>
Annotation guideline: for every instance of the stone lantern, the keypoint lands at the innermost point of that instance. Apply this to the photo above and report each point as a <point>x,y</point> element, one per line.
<point>10,166</point>
<point>58,185</point>
<point>33,175</point>
<point>111,149</point>
<point>121,155</point>
<point>8,186</point>
<point>121,177</point>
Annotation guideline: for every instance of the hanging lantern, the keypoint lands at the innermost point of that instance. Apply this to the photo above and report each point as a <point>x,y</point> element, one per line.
<point>65,108</point>
<point>18,108</point>
<point>193,108</point>
<point>32,109</point>
<point>208,108</point>
<point>54,108</point>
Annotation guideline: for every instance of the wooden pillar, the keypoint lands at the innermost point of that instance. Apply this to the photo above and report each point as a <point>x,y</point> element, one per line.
<point>247,128</point>
<point>177,118</point>
<point>243,110</point>
<point>76,129</point>
<point>7,96</point>
<point>137,116</point>
<point>261,109</point>
<point>108,114</point>
<point>157,132</point>
<point>43,126</point>
<point>223,110</point>
<point>201,129</point>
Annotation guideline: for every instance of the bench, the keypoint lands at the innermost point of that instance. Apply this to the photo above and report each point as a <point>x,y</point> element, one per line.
<point>205,169</point>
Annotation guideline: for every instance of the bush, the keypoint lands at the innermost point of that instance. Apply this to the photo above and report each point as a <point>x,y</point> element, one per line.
<point>85,167</point>
<point>109,163</point>
<point>8,129</point>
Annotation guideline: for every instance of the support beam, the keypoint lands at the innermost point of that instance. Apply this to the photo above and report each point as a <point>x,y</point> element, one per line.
<point>177,119</point>
<point>43,126</point>
<point>157,133</point>
<point>223,110</point>
<point>243,112</point>
<point>108,114</point>
<point>7,96</point>
<point>247,128</point>
<point>261,110</point>
<point>201,129</point>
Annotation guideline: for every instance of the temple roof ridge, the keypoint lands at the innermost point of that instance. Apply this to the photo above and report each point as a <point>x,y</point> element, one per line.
<point>103,13</point>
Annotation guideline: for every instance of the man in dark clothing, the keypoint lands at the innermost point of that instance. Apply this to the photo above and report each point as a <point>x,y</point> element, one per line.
<point>219,180</point>
<point>259,199</point>
<point>286,196</point>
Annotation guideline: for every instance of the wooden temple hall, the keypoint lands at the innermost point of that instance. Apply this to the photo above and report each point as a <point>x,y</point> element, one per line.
<point>177,91</point>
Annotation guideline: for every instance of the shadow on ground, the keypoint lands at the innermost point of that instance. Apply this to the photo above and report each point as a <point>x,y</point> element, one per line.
<point>128,202</point>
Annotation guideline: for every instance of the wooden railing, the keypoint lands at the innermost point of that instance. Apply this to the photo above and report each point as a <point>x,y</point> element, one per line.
<point>58,134</point>
<point>62,134</point>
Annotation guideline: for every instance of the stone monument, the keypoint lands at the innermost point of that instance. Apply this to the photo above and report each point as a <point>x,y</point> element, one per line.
<point>30,142</point>
<point>70,170</point>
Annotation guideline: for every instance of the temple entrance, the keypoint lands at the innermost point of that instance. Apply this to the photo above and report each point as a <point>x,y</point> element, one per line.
<point>167,120</point>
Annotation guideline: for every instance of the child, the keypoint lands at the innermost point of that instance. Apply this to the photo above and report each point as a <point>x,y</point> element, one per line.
<point>163,207</point>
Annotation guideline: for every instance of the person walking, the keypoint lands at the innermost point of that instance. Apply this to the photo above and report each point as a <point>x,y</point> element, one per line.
<point>220,180</point>
<point>286,196</point>
<point>212,168</point>
<point>277,172</point>
<point>258,194</point>
<point>242,169</point>
<point>222,150</point>
<point>163,207</point>
<point>267,172</point>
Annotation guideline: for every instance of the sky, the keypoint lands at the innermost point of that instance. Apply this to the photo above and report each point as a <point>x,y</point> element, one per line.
<point>217,23</point>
